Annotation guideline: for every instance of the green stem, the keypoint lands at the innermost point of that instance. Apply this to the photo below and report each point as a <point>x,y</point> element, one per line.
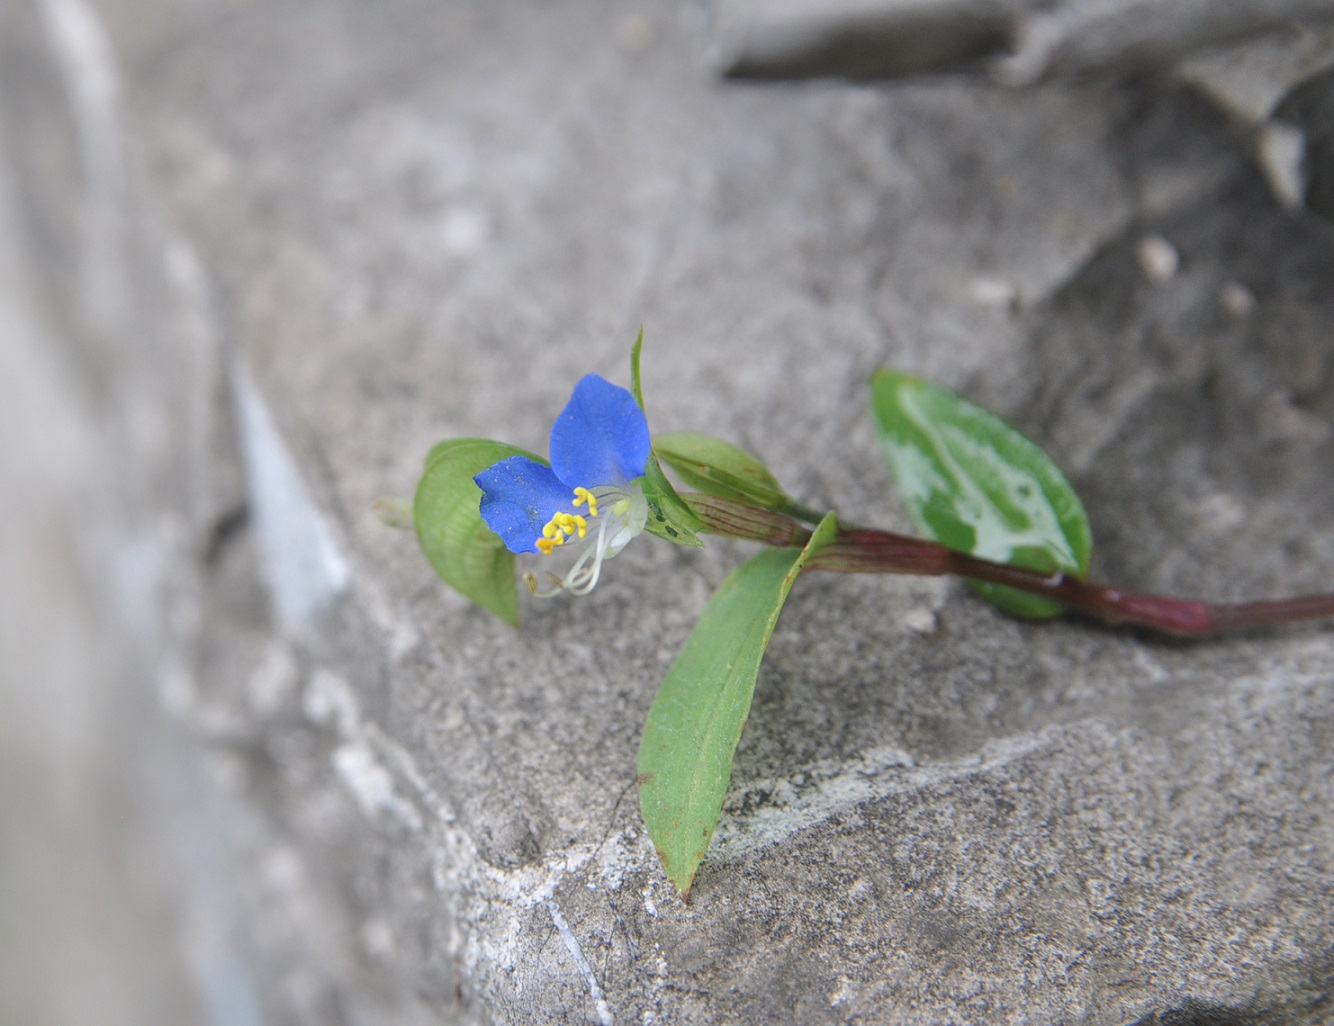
<point>797,511</point>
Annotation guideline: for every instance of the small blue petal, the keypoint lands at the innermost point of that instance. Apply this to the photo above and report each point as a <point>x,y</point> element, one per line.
<point>601,437</point>
<point>519,498</point>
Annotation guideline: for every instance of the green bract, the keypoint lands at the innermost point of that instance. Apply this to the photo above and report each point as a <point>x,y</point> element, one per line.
<point>464,551</point>
<point>668,515</point>
<point>720,468</point>
<point>976,484</point>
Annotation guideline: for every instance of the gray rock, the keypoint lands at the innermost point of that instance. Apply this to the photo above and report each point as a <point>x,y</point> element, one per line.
<point>1017,40</point>
<point>1309,109</point>
<point>383,225</point>
<point>1276,88</point>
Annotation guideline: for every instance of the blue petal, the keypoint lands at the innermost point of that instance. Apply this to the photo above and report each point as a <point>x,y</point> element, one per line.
<point>601,437</point>
<point>519,498</point>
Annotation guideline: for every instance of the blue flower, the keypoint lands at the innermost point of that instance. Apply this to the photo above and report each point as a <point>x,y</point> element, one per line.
<point>588,501</point>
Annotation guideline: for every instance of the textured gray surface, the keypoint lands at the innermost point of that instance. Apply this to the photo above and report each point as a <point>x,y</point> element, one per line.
<point>1017,40</point>
<point>375,227</point>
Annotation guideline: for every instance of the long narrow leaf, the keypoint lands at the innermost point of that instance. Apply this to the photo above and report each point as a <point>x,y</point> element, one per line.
<point>685,756</point>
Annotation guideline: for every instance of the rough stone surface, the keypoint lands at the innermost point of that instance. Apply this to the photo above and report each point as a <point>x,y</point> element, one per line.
<point>309,240</point>
<point>1017,40</point>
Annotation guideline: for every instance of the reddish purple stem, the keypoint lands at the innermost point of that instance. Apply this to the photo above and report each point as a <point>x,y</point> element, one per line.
<point>869,551</point>
<point>863,550</point>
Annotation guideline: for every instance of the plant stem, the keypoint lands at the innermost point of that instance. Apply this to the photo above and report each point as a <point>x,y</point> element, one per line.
<point>870,551</point>
<point>863,550</point>
<point>804,513</point>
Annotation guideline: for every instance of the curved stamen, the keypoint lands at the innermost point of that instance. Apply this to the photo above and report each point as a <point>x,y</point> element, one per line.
<point>582,495</point>
<point>622,518</point>
<point>566,525</point>
<point>583,578</point>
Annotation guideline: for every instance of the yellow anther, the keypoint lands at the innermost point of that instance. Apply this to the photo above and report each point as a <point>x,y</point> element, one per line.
<point>582,495</point>
<point>571,523</point>
<point>560,527</point>
<point>566,525</point>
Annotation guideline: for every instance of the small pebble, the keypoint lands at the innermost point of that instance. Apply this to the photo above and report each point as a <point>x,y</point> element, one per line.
<point>1158,258</point>
<point>635,32</point>
<point>1236,299</point>
<point>994,293</point>
<point>1219,514</point>
<point>921,620</point>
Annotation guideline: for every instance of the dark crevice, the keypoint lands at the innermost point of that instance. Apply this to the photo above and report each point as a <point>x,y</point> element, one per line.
<point>226,531</point>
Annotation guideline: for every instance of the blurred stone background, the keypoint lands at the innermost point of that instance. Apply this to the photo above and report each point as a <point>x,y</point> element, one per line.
<point>258,766</point>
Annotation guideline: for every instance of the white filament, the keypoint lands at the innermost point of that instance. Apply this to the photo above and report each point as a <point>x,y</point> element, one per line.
<point>624,519</point>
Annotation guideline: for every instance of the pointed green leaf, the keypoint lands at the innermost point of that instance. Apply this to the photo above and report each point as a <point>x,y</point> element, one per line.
<point>668,515</point>
<point>636,388</point>
<point>464,551</point>
<point>685,755</point>
<point>976,484</point>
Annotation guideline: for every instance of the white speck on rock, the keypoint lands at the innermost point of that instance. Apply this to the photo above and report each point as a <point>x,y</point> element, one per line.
<point>1236,299</point>
<point>272,682</point>
<point>1158,259</point>
<point>845,990</point>
<point>330,702</point>
<point>463,229</point>
<point>993,293</point>
<point>920,620</point>
<point>377,939</point>
<point>371,785</point>
<point>1219,513</point>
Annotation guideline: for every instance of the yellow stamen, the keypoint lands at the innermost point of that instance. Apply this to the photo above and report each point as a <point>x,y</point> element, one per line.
<point>570,523</point>
<point>567,525</point>
<point>582,495</point>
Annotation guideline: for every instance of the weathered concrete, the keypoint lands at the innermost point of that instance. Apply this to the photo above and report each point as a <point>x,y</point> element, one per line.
<point>382,225</point>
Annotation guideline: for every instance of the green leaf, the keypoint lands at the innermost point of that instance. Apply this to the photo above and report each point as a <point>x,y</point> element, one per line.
<point>720,468</point>
<point>977,485</point>
<point>685,756</point>
<point>466,553</point>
